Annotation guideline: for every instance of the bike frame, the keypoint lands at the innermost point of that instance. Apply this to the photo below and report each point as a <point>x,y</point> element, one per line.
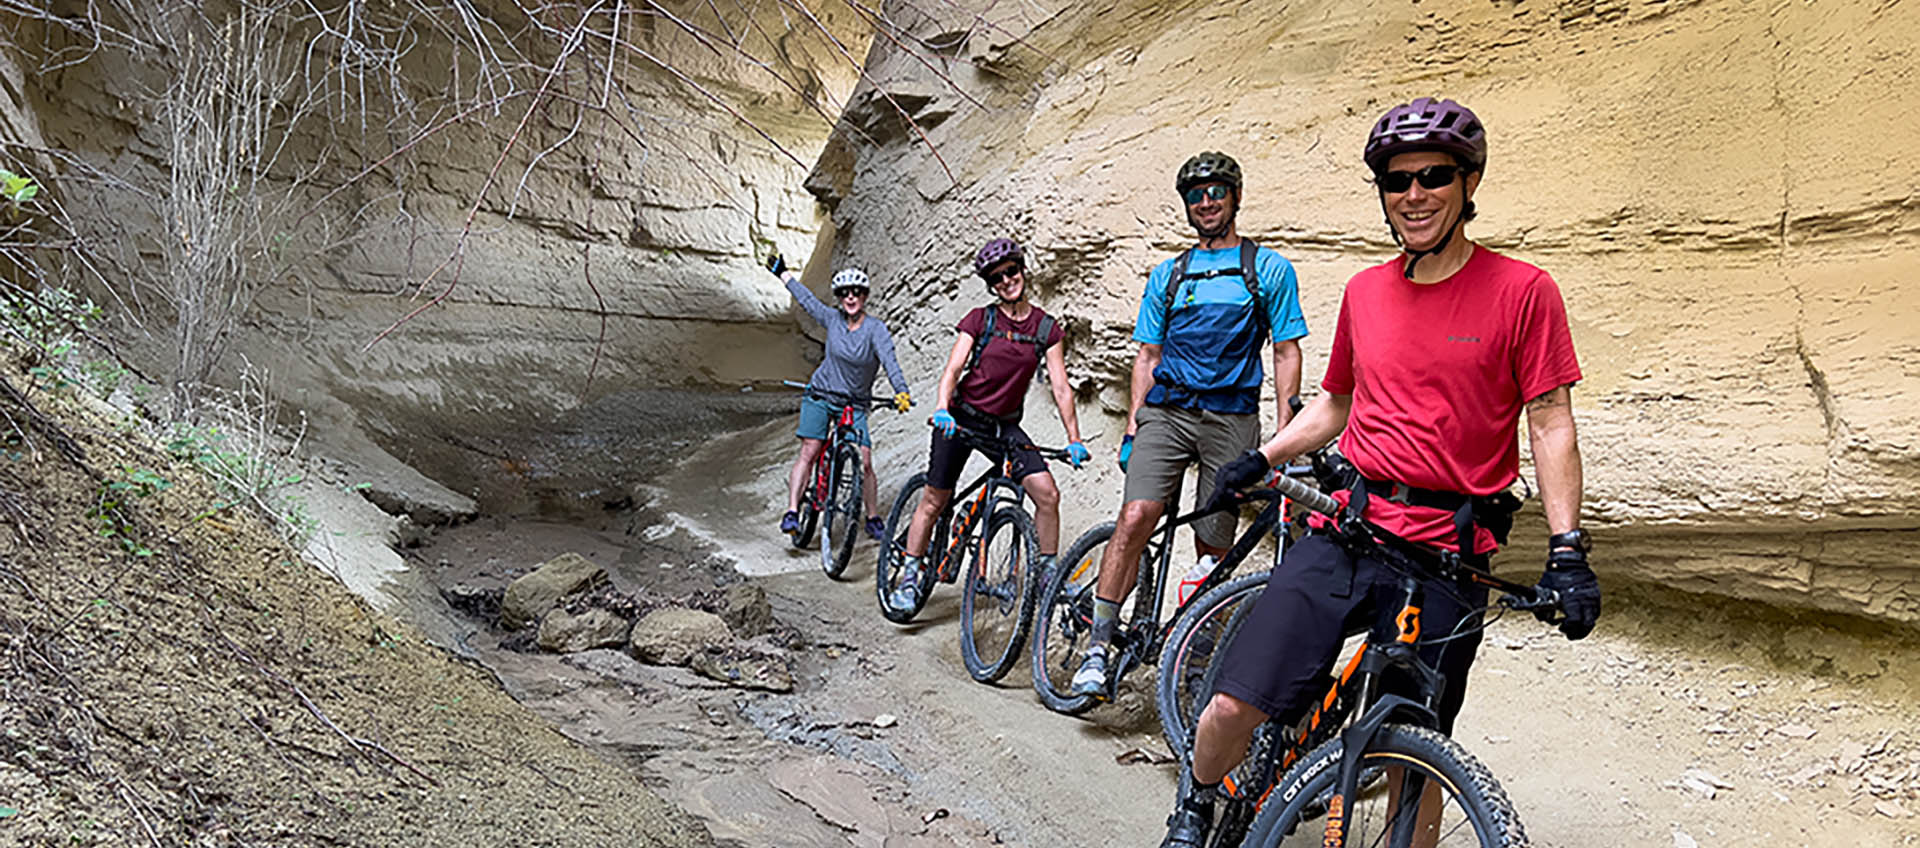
<point>1381,652</point>
<point>988,485</point>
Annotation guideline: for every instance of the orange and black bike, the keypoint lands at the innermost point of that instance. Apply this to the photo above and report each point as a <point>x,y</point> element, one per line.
<point>1345,774</point>
<point>988,524</point>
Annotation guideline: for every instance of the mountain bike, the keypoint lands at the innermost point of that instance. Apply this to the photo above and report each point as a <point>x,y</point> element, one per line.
<point>1362,753</point>
<point>1063,621</point>
<point>834,493</point>
<point>986,523</point>
<point>1198,635</point>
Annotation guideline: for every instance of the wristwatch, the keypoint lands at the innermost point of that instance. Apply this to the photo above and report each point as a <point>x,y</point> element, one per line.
<point>1578,539</point>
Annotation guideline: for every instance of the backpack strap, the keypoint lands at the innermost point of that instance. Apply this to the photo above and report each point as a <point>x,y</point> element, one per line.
<point>980,341</point>
<point>1250,274</point>
<point>1175,277</point>
<point>987,333</point>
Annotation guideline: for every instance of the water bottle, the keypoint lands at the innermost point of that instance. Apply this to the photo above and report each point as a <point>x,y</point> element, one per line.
<point>1195,576</point>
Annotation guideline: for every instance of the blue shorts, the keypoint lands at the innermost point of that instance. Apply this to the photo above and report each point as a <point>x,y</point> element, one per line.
<point>818,416</point>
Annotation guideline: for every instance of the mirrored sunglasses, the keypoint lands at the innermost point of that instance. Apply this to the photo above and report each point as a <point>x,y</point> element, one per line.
<point>1211,191</point>
<point>1430,177</point>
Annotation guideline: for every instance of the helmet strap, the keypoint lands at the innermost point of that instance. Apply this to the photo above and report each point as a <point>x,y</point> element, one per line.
<point>1414,256</point>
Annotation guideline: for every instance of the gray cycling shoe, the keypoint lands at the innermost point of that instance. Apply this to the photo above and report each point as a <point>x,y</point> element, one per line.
<point>1091,679</point>
<point>906,586</point>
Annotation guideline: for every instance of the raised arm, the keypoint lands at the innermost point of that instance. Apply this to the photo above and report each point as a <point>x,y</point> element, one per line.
<point>820,312</point>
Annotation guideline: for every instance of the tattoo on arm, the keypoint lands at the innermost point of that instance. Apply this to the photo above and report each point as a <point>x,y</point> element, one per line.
<point>1556,396</point>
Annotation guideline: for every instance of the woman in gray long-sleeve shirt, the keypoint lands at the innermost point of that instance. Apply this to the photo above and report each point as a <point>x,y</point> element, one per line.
<point>857,345</point>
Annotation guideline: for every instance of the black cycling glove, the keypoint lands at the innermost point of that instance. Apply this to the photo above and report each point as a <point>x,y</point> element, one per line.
<point>1568,576</point>
<point>776,264</point>
<point>1250,468</point>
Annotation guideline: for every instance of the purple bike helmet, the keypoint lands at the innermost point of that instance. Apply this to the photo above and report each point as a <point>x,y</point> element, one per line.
<point>1428,124</point>
<point>995,252</point>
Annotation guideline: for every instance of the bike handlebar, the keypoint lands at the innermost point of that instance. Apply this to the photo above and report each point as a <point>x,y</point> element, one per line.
<point>839,396</point>
<point>991,442</point>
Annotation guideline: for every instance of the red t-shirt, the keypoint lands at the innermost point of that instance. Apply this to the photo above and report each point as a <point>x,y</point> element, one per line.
<point>1438,375</point>
<point>998,385</point>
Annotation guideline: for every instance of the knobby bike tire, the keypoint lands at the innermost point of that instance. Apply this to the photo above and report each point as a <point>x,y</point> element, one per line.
<point>1063,620</point>
<point>1475,810</point>
<point>996,604</point>
<point>1194,644</point>
<point>843,513</point>
<point>809,511</point>
<point>886,569</point>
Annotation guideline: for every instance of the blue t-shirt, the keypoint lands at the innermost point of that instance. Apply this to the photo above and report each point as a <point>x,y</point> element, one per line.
<point>1211,344</point>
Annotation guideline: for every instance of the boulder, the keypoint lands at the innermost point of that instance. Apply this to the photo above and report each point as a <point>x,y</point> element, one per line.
<point>528,598</point>
<point>745,609</point>
<point>673,635</point>
<point>564,633</point>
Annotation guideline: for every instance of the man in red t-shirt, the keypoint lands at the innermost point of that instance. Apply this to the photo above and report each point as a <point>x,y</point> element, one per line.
<point>986,394</point>
<point>1435,355</point>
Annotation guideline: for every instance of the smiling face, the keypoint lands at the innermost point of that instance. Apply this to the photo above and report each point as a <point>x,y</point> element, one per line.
<point>1210,206</point>
<point>1424,215</point>
<point>852,300</point>
<point>1008,281</point>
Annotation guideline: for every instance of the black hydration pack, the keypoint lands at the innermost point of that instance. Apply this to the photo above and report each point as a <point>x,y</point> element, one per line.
<point>987,333</point>
<point>1246,272</point>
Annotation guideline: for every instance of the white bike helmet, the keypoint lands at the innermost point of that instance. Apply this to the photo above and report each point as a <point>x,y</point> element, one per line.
<point>852,278</point>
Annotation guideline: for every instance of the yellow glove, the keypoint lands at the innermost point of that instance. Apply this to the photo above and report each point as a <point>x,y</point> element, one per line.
<point>902,401</point>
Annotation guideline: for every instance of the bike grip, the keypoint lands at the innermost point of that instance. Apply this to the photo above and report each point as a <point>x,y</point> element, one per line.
<point>1307,496</point>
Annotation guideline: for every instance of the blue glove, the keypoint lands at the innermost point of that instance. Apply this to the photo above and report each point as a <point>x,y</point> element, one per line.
<point>1077,453</point>
<point>776,264</point>
<point>943,421</point>
<point>1126,451</point>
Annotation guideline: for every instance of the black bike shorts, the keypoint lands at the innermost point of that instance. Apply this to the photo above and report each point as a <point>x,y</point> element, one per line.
<point>949,456</point>
<point>1282,659</point>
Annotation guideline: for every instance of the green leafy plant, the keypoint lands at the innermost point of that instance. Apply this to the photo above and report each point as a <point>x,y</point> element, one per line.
<point>109,512</point>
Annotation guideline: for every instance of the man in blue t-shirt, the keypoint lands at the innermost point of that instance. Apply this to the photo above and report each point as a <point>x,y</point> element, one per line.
<point>1196,383</point>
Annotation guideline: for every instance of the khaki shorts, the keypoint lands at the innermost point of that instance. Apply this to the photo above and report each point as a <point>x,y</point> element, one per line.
<point>1168,439</point>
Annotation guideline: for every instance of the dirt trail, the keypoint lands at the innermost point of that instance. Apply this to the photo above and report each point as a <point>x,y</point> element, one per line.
<point>1802,733</point>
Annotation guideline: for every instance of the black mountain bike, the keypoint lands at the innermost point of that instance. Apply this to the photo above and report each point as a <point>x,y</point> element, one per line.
<point>1356,762</point>
<point>1063,621</point>
<point>1198,635</point>
<point>834,491</point>
<point>997,601</point>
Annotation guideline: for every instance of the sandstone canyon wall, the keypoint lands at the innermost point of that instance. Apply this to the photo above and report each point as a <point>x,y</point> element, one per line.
<point>1716,186</point>
<point>1721,189</point>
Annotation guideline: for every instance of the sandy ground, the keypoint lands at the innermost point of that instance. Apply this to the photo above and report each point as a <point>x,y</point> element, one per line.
<point>1803,728</point>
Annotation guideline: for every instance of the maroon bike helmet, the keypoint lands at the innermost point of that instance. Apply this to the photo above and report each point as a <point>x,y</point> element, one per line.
<point>995,252</point>
<point>1427,124</point>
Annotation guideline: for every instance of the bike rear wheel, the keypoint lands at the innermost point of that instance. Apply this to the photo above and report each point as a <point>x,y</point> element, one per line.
<point>842,526</point>
<point>886,571</point>
<point>1472,808</point>
<point>1199,637</point>
<point>996,603</point>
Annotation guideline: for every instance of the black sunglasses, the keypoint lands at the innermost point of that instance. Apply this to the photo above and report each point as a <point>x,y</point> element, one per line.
<point>1214,191</point>
<point>1430,177</point>
<point>995,278</point>
<point>850,292</point>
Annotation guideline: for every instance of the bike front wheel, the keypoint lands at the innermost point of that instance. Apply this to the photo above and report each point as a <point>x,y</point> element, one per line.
<point>997,601</point>
<point>842,525</point>
<point>1063,621</point>
<point>1462,805</point>
<point>886,572</point>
